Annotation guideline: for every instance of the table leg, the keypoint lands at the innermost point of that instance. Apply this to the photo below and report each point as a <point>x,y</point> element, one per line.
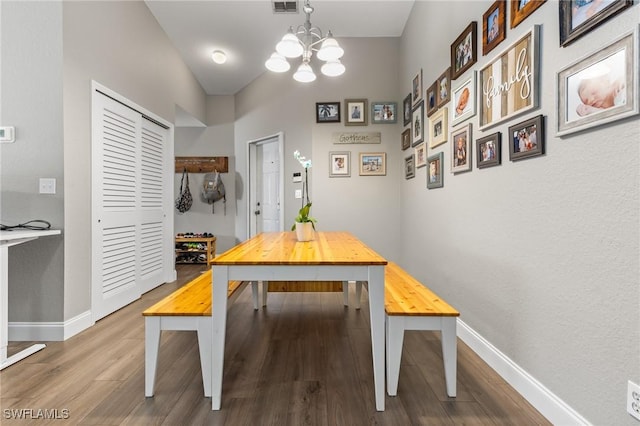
<point>376,313</point>
<point>220,282</point>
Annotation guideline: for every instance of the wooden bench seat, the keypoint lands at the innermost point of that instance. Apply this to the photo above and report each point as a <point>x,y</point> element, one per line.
<point>409,305</point>
<point>188,308</point>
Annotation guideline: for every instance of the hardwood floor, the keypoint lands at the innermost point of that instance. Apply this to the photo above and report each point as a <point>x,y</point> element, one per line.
<point>304,360</point>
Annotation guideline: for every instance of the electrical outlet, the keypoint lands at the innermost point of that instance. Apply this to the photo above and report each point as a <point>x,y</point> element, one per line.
<point>633,399</point>
<point>47,185</point>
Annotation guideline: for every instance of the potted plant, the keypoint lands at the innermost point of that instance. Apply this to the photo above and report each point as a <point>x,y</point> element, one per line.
<point>304,225</point>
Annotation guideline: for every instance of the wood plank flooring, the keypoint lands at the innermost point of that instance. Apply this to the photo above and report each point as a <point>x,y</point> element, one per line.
<point>304,360</point>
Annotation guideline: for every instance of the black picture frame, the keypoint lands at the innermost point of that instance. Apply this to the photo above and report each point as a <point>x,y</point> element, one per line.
<point>576,21</point>
<point>521,139</point>
<point>327,112</point>
<point>410,167</point>
<point>406,110</point>
<point>431,99</point>
<point>488,152</point>
<point>464,51</point>
<point>406,139</point>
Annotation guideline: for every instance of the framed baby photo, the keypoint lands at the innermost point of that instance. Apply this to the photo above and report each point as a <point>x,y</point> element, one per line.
<point>488,151</point>
<point>578,17</point>
<point>373,163</point>
<point>417,124</point>
<point>494,26</point>
<point>464,52</point>
<point>383,112</point>
<point>406,139</point>
<point>406,110</point>
<point>416,91</point>
<point>421,155</point>
<point>521,9</point>
<point>409,167</point>
<point>327,112</point>
<point>434,171</point>
<point>431,99</point>
<point>355,112</point>
<point>461,157</point>
<point>600,88</point>
<point>443,89</point>
<point>438,128</point>
<point>463,101</point>
<point>339,164</point>
<point>526,139</point>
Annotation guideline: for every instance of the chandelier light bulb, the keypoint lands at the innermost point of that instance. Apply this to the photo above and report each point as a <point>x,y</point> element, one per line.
<point>219,57</point>
<point>290,46</point>
<point>330,49</point>
<point>277,63</point>
<point>333,68</point>
<point>304,74</point>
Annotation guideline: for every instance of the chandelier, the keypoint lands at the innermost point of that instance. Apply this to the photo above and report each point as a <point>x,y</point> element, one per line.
<point>303,42</point>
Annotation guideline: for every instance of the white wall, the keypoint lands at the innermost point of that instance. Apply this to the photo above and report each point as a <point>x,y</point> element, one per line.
<point>540,256</point>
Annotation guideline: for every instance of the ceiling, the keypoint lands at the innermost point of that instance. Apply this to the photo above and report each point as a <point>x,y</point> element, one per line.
<point>248,30</point>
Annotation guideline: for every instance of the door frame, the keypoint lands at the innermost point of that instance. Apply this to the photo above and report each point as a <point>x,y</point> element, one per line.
<point>252,176</point>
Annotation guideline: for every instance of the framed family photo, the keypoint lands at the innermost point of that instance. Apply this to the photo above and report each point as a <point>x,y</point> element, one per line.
<point>463,104</point>
<point>600,88</point>
<point>526,139</point>
<point>521,9</point>
<point>416,91</point>
<point>488,151</point>
<point>406,139</point>
<point>409,167</point>
<point>464,51</point>
<point>461,149</point>
<point>421,155</point>
<point>435,174</point>
<point>431,99</point>
<point>383,112</point>
<point>417,124</point>
<point>373,163</point>
<point>339,164</point>
<point>443,88</point>
<point>406,110</point>
<point>327,112</point>
<point>578,17</point>
<point>355,112</point>
<point>494,26</point>
<point>438,128</point>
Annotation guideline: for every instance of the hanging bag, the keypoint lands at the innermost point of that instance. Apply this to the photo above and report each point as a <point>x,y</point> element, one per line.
<point>184,200</point>
<point>213,190</point>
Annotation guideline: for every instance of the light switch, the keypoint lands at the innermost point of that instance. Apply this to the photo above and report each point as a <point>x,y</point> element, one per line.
<point>47,185</point>
<point>298,193</point>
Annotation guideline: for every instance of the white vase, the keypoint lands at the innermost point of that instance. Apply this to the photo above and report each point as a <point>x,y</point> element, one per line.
<point>304,231</point>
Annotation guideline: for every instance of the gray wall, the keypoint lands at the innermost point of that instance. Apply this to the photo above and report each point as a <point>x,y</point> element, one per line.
<point>540,256</point>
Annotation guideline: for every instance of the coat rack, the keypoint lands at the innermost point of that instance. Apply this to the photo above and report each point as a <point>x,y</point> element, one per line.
<point>202,164</point>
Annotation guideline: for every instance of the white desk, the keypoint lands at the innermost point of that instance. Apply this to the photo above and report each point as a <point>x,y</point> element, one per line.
<point>8,239</point>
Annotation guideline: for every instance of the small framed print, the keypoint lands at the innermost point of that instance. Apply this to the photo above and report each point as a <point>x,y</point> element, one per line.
<point>461,157</point>
<point>417,124</point>
<point>438,128</point>
<point>435,175</point>
<point>406,108</point>
<point>431,99</point>
<point>521,9</point>
<point>526,139</point>
<point>488,151</point>
<point>416,93</point>
<point>406,139</point>
<point>463,105</point>
<point>464,51</point>
<point>373,163</point>
<point>577,18</point>
<point>327,112</point>
<point>421,155</point>
<point>383,112</point>
<point>355,112</point>
<point>339,164</point>
<point>409,167</point>
<point>443,88</point>
<point>494,26</point>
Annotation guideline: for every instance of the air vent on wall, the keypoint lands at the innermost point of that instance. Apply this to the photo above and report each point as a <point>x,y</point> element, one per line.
<point>284,6</point>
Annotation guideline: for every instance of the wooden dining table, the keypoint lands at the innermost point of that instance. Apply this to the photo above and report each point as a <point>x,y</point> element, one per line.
<point>278,256</point>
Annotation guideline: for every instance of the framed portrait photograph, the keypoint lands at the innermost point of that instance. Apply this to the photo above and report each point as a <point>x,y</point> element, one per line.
<point>464,51</point>
<point>438,128</point>
<point>494,26</point>
<point>461,157</point>
<point>406,108</point>
<point>409,167</point>
<point>416,88</point>
<point>421,155</point>
<point>355,111</point>
<point>463,100</point>
<point>488,151</point>
<point>600,88</point>
<point>384,112</point>
<point>434,171</point>
<point>432,99</point>
<point>578,17</point>
<point>406,139</point>
<point>327,112</point>
<point>526,139</point>
<point>521,9</point>
<point>443,88</point>
<point>339,164</point>
<point>417,124</point>
<point>373,163</point>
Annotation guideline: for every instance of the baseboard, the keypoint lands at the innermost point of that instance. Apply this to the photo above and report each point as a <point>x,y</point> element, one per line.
<point>49,331</point>
<point>545,401</point>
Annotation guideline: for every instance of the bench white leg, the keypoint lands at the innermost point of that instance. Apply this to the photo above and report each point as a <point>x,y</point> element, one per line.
<point>358,293</point>
<point>254,293</point>
<point>395,338</point>
<point>449,353</point>
<point>345,293</point>
<point>205,333</point>
<point>151,348</point>
<point>265,290</point>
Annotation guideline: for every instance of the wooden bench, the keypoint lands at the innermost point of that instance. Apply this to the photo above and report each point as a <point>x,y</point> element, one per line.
<point>411,306</point>
<point>188,308</point>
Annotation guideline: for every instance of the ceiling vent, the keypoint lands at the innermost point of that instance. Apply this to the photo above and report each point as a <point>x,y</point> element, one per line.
<point>284,6</point>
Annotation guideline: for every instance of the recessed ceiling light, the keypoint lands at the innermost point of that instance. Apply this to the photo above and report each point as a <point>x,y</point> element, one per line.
<point>219,57</point>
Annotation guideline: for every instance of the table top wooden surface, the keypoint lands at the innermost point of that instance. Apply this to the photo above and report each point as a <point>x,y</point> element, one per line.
<point>282,248</point>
